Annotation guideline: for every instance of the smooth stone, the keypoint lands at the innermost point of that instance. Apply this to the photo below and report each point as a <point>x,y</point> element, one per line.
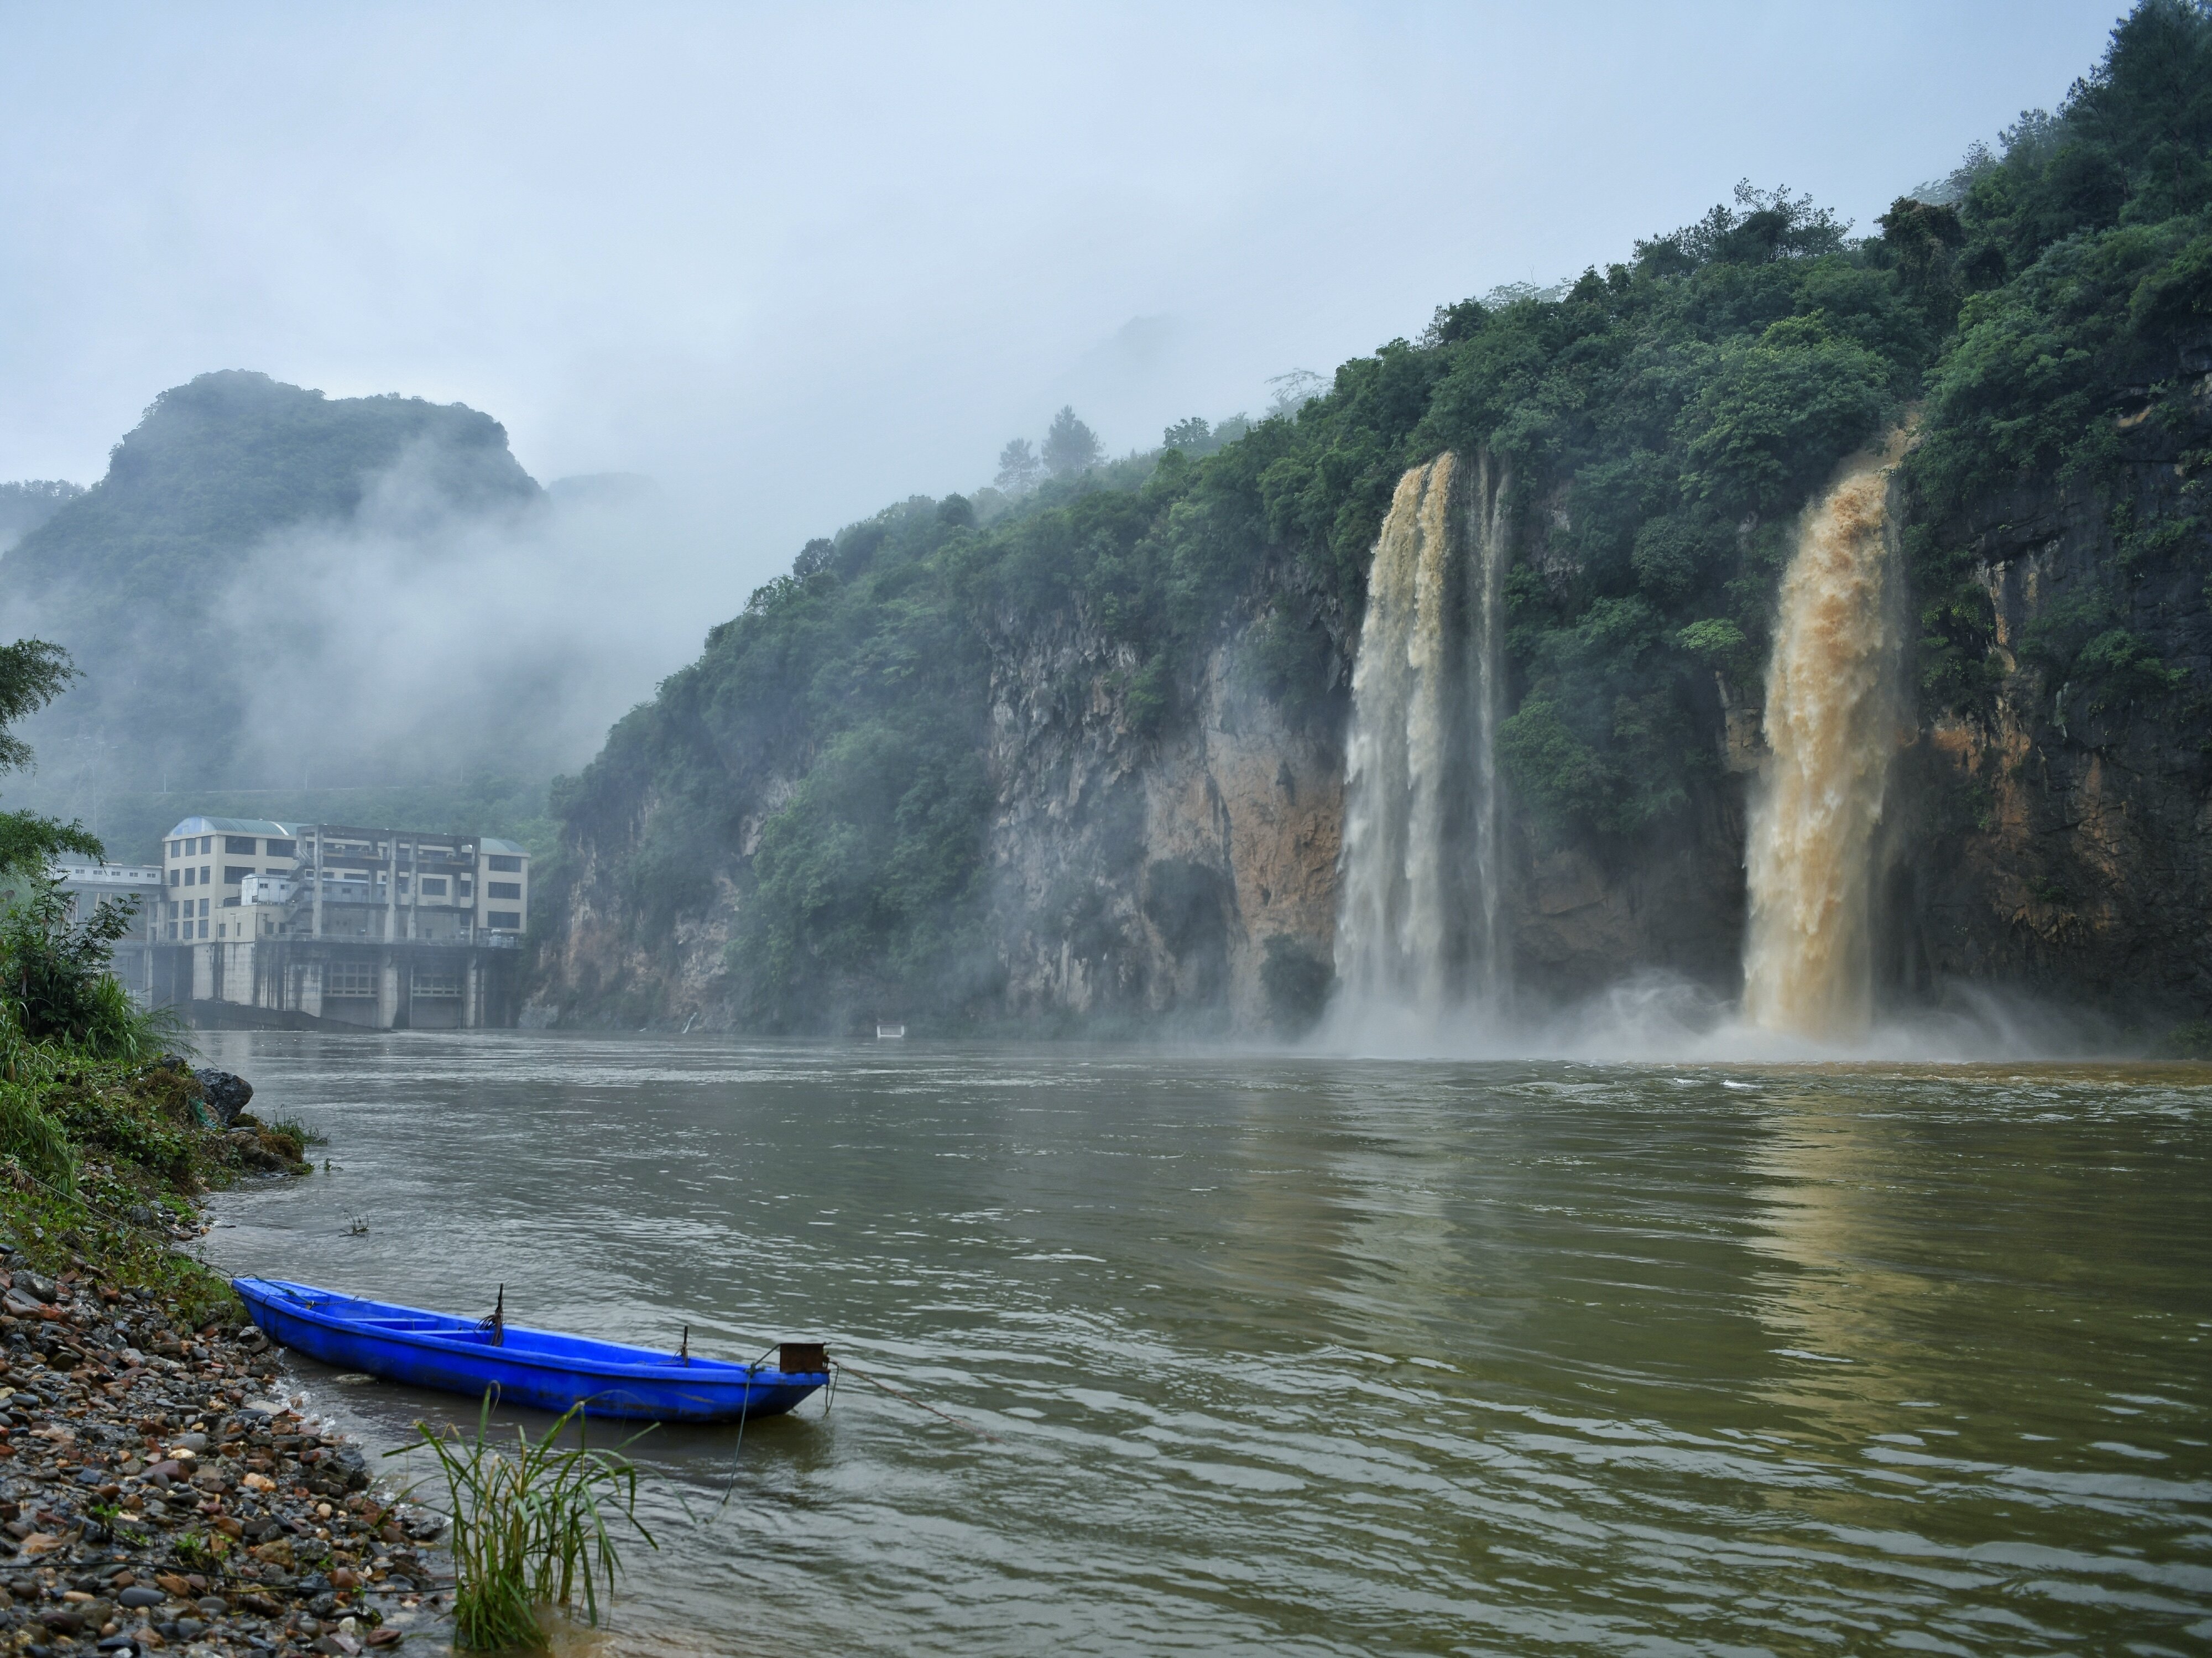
<point>140,1595</point>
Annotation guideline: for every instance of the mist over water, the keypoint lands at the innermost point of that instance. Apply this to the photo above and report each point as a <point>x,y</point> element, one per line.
<point>1423,965</point>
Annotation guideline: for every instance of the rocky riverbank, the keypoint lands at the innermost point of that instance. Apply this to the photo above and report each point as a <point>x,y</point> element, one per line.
<point>158,1488</point>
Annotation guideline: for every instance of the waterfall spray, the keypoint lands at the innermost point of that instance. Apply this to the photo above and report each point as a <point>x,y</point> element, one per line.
<point>1418,926</point>
<point>1831,709</point>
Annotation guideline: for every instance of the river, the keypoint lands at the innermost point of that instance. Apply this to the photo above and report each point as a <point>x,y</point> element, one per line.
<point>1289,1355</point>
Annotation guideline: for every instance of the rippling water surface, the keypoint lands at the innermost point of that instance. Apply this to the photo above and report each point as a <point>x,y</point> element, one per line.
<point>1290,1355</point>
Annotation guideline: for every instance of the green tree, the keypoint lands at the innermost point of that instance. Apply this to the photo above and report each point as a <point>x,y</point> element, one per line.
<point>1071,448</point>
<point>32,673</point>
<point>1018,467</point>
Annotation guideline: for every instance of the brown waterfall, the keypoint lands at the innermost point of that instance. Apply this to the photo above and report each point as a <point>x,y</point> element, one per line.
<point>1833,705</point>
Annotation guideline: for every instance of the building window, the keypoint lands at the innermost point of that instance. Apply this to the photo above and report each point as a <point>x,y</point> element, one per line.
<point>207,874</point>
<point>176,878</point>
<point>432,982</point>
<point>281,848</point>
<point>434,886</point>
<point>238,843</point>
<point>202,929</point>
<point>172,929</point>
<point>348,978</point>
<point>467,886</point>
<point>207,844</point>
<point>203,904</point>
<point>221,929</point>
<point>508,889</point>
<point>506,864</point>
<point>234,874</point>
<point>507,918</point>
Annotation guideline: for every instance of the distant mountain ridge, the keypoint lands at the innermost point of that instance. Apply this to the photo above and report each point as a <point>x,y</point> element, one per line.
<point>149,579</point>
<point>221,462</point>
<point>26,505</point>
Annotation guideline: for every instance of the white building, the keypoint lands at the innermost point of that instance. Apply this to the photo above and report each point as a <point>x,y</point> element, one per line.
<point>373,926</point>
<point>136,886</point>
<point>205,862</point>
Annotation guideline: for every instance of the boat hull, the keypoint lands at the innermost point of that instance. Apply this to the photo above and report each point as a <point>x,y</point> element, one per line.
<point>540,1368</point>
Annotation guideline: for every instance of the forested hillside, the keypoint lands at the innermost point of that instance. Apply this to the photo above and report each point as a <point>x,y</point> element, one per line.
<point>166,584</point>
<point>810,822</point>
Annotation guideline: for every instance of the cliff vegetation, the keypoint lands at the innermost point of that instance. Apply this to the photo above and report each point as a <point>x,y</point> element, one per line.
<point>816,790</point>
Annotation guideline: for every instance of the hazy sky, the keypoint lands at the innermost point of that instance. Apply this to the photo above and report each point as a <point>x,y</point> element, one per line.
<point>799,261</point>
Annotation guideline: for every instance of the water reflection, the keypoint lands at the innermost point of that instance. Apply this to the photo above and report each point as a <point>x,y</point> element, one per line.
<point>1307,1355</point>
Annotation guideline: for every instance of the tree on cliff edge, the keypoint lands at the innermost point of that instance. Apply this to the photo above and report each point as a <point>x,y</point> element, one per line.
<point>1070,446</point>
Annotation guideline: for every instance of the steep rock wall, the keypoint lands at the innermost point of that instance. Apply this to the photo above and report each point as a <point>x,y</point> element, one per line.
<point>1141,876</point>
<point>1182,872</point>
<point>1179,872</point>
<point>2059,837</point>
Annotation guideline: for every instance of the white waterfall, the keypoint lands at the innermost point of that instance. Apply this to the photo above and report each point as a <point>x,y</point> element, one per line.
<point>1419,927</point>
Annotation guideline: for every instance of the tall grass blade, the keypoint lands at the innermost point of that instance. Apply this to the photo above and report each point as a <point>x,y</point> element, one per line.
<point>534,1530</point>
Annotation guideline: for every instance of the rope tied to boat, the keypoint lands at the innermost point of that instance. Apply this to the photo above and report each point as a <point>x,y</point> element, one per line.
<point>495,1324</point>
<point>886,1386</point>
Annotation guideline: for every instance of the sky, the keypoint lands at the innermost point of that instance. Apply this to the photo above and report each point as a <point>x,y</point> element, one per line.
<point>796,263</point>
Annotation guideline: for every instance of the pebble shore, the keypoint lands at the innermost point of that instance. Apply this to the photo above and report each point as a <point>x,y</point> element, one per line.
<point>159,1492</point>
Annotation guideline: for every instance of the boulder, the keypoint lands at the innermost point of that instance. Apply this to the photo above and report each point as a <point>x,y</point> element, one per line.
<point>227,1094</point>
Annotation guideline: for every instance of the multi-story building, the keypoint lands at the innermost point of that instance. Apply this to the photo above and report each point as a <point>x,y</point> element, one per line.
<point>205,861</point>
<point>138,887</point>
<point>373,926</point>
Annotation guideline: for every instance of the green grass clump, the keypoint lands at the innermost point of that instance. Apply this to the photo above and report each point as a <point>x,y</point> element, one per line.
<point>57,1232</point>
<point>30,1134</point>
<point>533,1532</point>
<point>299,1135</point>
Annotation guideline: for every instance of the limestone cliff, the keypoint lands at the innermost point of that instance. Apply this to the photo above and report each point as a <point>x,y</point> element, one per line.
<point>1181,872</point>
<point>1158,876</point>
<point>1182,876</point>
<point>2058,837</point>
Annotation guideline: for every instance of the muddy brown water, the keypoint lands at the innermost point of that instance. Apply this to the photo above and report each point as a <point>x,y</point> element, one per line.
<point>1294,1354</point>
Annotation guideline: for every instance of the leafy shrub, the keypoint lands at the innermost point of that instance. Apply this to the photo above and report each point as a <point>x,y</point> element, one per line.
<point>55,984</point>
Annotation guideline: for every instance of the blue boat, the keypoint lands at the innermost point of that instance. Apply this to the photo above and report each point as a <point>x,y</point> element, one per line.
<point>551,1371</point>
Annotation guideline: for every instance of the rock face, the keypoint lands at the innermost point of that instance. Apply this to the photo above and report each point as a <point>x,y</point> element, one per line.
<point>2058,838</point>
<point>1186,873</point>
<point>1182,875</point>
<point>1192,875</point>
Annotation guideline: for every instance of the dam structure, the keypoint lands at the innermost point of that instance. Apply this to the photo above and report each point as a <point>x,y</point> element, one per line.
<point>263,922</point>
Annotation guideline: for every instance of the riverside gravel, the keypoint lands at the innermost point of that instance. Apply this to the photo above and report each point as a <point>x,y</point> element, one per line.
<point>159,1492</point>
